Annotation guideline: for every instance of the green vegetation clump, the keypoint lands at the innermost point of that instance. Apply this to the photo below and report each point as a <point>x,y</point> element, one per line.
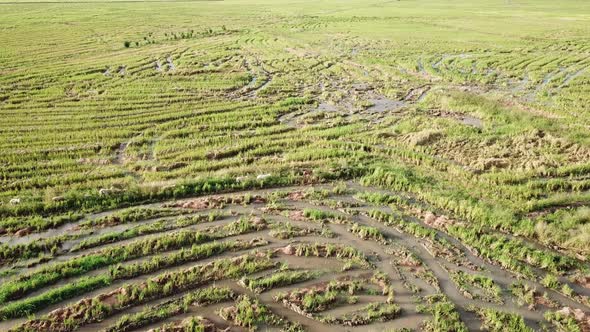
<point>320,298</point>
<point>191,324</point>
<point>345,253</point>
<point>512,254</point>
<point>496,321</point>
<point>527,294</point>
<point>444,315</point>
<point>367,232</point>
<point>160,312</point>
<point>36,223</point>
<point>567,228</point>
<point>276,279</point>
<point>157,227</point>
<point>50,246</point>
<point>379,198</point>
<point>131,215</point>
<point>491,292</point>
<point>32,304</point>
<point>372,312</point>
<point>285,230</point>
<point>561,322</point>
<point>244,225</point>
<point>412,228</point>
<point>314,302</point>
<point>250,313</point>
<point>321,215</point>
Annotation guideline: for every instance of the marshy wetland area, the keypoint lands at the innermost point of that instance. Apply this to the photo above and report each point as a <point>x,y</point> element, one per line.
<point>326,165</point>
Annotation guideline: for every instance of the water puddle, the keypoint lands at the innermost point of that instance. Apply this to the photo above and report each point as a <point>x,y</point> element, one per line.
<point>472,121</point>
<point>382,104</point>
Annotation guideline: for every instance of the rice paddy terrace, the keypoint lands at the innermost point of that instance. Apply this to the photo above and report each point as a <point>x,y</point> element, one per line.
<point>295,166</point>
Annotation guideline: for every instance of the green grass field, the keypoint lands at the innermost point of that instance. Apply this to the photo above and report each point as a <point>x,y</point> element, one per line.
<point>295,165</point>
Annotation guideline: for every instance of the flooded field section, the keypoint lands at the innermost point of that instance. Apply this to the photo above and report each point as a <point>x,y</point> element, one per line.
<point>329,257</point>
